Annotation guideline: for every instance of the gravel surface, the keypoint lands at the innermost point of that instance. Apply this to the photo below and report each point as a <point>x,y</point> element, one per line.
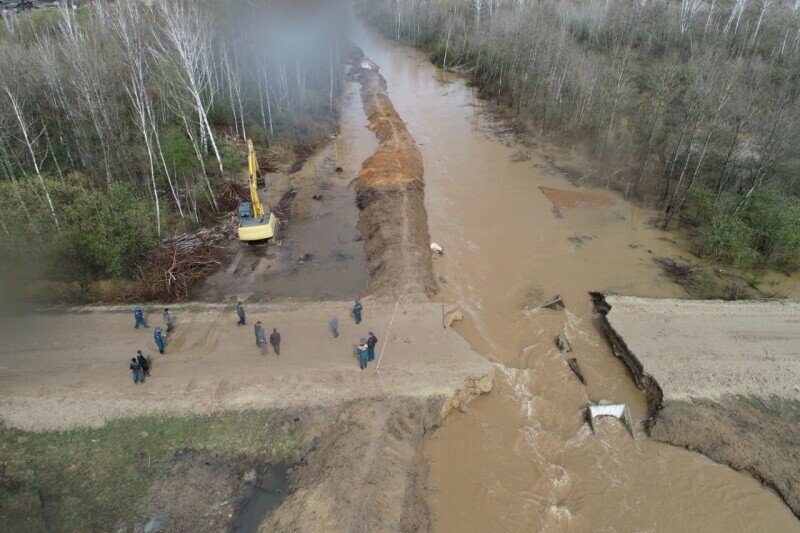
<point>710,348</point>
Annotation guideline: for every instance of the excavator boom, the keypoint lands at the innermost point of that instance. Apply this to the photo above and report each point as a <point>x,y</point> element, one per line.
<point>252,167</point>
<point>254,223</point>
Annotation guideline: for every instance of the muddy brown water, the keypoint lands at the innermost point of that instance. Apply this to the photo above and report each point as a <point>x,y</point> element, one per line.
<point>523,458</point>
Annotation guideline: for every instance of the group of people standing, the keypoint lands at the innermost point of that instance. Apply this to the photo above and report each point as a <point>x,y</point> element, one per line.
<point>140,366</point>
<point>366,346</point>
<point>261,339</point>
<point>366,350</point>
<point>261,335</point>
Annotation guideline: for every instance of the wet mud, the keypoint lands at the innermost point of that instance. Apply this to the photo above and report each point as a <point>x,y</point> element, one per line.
<point>759,436</point>
<point>362,473</point>
<point>204,491</point>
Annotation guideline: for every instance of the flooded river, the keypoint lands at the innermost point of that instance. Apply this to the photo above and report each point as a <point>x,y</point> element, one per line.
<point>523,458</point>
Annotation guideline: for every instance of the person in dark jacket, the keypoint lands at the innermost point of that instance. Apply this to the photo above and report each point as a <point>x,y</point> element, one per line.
<point>335,327</point>
<point>371,342</point>
<point>158,337</point>
<point>261,338</point>
<point>142,360</point>
<point>357,308</point>
<point>138,315</point>
<point>240,314</point>
<point>136,370</point>
<point>275,341</point>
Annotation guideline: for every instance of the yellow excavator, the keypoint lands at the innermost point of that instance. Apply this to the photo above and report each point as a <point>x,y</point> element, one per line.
<point>254,223</point>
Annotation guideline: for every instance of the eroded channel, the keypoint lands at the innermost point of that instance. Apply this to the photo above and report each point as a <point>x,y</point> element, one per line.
<point>523,458</point>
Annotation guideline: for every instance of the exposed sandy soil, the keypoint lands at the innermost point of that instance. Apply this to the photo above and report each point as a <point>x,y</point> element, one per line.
<point>362,475</point>
<point>720,378</point>
<point>390,195</point>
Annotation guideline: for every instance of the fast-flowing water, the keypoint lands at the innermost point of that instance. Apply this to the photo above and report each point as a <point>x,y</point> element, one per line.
<point>523,457</point>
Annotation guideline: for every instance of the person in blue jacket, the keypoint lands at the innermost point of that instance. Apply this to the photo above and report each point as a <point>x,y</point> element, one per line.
<point>138,314</point>
<point>362,353</point>
<point>158,337</point>
<point>357,308</point>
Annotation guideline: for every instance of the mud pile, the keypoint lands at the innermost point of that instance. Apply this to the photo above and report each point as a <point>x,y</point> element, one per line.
<point>362,474</point>
<point>390,194</point>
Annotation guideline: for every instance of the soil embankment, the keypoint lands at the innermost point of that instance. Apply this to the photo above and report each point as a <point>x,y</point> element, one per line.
<point>362,475</point>
<point>720,378</point>
<point>390,194</point>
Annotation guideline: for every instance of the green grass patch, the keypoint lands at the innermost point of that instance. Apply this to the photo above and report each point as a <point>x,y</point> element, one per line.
<point>773,407</point>
<point>93,479</point>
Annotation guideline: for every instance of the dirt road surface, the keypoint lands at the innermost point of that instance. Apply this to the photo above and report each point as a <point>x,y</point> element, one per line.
<point>63,370</point>
<point>706,349</point>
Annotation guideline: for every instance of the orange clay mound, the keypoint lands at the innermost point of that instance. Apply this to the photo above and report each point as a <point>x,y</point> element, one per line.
<point>562,199</point>
<point>397,159</point>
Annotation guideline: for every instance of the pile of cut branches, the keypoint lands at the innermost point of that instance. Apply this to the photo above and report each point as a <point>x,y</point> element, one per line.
<point>181,261</point>
<point>231,194</point>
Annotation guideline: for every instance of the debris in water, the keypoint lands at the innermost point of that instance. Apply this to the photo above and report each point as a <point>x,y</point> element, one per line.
<point>562,341</point>
<point>556,304</point>
<point>438,250</point>
<point>580,240</point>
<point>453,316</point>
<point>617,410</point>
<point>573,364</point>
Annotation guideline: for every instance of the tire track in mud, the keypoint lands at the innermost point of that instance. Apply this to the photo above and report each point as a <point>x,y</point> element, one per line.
<point>390,195</point>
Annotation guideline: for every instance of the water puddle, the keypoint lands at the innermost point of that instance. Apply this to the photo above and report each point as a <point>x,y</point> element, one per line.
<point>266,496</point>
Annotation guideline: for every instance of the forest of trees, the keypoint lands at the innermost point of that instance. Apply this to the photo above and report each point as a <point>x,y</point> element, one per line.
<point>119,121</point>
<point>693,104</point>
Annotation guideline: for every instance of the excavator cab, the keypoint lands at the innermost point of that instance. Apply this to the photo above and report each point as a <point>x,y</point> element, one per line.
<point>255,223</point>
